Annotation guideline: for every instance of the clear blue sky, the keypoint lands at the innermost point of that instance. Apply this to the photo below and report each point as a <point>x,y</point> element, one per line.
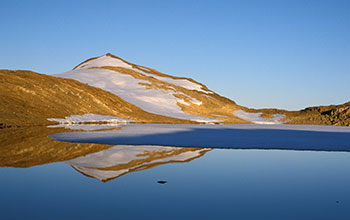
<point>285,54</point>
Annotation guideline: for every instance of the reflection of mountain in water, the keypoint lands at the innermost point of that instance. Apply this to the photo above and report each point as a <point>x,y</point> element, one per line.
<point>120,160</point>
<point>27,147</point>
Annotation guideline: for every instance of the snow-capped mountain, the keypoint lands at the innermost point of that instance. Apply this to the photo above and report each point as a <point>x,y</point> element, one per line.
<point>153,91</point>
<point>108,89</point>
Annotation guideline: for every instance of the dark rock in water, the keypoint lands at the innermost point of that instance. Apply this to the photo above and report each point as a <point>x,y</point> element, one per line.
<point>162,182</point>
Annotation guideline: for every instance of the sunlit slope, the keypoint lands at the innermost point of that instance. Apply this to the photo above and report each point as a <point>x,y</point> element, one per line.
<point>112,87</point>
<point>338,115</point>
<point>153,91</point>
<point>325,115</point>
<point>29,98</point>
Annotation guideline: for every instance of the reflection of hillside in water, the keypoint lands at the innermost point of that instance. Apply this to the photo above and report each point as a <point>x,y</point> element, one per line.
<point>31,146</point>
<point>120,160</point>
<point>27,147</point>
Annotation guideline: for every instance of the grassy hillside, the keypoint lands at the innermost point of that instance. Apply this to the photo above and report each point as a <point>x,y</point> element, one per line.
<point>318,115</point>
<point>28,98</point>
<point>324,115</point>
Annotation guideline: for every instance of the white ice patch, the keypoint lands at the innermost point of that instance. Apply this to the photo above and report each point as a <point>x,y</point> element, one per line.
<point>104,61</point>
<point>158,101</point>
<point>221,116</point>
<point>196,102</point>
<point>236,136</point>
<point>183,102</point>
<point>257,119</point>
<point>87,127</point>
<point>190,99</point>
<point>89,118</point>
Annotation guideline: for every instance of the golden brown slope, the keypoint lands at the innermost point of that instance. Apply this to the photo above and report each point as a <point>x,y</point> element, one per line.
<point>324,115</point>
<point>28,98</point>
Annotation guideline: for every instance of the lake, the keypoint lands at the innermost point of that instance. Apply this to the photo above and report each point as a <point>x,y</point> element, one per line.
<point>175,172</point>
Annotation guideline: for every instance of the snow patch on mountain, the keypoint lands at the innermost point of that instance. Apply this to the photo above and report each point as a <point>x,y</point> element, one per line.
<point>184,83</point>
<point>158,101</point>
<point>220,116</point>
<point>189,100</point>
<point>89,118</point>
<point>257,119</point>
<point>181,101</point>
<point>106,60</point>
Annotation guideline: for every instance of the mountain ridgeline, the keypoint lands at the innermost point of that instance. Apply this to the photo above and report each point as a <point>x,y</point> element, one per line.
<point>109,85</point>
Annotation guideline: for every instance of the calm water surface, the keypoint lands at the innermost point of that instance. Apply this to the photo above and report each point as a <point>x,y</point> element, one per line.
<point>121,182</point>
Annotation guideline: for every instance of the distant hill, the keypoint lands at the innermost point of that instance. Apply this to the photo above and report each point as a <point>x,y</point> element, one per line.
<point>325,115</point>
<point>318,115</point>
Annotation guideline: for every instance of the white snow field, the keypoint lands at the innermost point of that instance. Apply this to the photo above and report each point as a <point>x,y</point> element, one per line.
<point>257,119</point>
<point>238,136</point>
<point>75,119</point>
<point>111,61</point>
<point>93,164</point>
<point>154,100</point>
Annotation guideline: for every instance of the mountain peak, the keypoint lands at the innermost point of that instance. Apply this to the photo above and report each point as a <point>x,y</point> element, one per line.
<point>105,60</point>
<point>110,55</point>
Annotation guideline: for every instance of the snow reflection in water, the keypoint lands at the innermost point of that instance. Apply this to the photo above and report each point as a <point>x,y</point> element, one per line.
<point>120,160</point>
